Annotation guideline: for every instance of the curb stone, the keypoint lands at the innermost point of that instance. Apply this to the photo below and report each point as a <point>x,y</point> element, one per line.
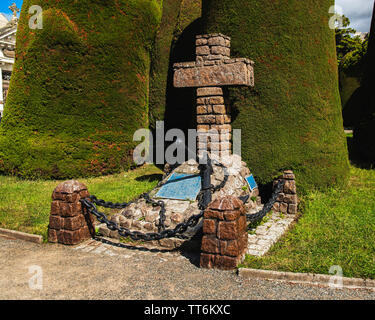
<point>305,278</point>
<point>17,235</point>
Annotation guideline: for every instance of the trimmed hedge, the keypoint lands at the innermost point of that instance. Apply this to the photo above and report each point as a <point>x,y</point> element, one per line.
<point>292,118</point>
<point>79,89</point>
<point>175,42</point>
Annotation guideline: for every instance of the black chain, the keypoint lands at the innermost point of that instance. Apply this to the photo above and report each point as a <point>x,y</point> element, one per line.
<point>91,203</point>
<point>268,206</point>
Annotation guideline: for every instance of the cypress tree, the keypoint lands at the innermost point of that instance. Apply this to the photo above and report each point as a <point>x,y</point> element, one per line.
<point>79,88</point>
<point>292,118</point>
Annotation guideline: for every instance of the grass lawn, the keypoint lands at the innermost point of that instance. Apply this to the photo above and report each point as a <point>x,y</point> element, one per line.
<point>337,227</point>
<point>25,205</point>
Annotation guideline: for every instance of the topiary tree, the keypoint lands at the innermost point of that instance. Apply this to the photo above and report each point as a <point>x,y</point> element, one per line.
<point>292,118</point>
<point>79,89</point>
<point>175,42</point>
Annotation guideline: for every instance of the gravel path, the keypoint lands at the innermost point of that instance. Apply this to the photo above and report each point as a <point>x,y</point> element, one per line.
<point>101,271</point>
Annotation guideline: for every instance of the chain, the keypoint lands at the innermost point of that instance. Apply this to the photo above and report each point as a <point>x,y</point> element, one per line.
<point>91,203</point>
<point>268,206</point>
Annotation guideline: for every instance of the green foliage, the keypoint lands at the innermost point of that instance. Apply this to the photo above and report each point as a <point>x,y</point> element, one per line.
<point>345,42</point>
<point>337,227</point>
<point>175,42</point>
<point>292,118</point>
<point>79,89</point>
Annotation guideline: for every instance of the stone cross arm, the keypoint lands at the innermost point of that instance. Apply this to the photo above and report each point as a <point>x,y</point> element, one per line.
<point>212,70</point>
<point>213,66</point>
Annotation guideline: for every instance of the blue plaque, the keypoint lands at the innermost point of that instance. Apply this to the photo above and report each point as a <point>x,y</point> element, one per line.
<point>251,182</point>
<point>181,186</point>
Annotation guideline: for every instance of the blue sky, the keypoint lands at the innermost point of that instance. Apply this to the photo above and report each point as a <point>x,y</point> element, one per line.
<point>358,11</point>
<point>4,4</point>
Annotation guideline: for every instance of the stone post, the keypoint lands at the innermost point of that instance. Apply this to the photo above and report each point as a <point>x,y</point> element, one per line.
<point>69,222</point>
<point>287,201</point>
<point>225,235</point>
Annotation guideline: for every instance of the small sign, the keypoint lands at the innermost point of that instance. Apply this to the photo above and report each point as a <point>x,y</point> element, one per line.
<point>181,186</point>
<point>251,182</point>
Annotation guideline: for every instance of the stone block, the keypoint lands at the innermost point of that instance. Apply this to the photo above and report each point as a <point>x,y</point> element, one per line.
<point>219,109</point>
<point>293,208</point>
<point>56,222</point>
<point>209,91</point>
<point>210,244</point>
<point>284,207</point>
<point>74,223</point>
<point>217,41</point>
<point>230,248</point>
<point>238,73</point>
<point>203,51</point>
<point>206,260</point>
<point>290,198</point>
<point>52,235</point>
<point>220,51</point>
<point>227,230</point>
<point>213,214</point>
<point>209,226</point>
<point>290,187</point>
<point>225,262</point>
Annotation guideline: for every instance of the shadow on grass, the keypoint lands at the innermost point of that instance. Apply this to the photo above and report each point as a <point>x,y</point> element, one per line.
<point>355,156</point>
<point>150,177</point>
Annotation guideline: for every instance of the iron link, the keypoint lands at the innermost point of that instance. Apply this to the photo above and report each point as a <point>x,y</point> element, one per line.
<point>92,202</point>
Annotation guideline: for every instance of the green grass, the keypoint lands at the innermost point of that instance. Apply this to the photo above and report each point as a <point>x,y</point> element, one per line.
<point>25,205</point>
<point>337,227</point>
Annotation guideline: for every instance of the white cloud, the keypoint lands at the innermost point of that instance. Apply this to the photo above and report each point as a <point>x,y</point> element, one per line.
<point>359,12</point>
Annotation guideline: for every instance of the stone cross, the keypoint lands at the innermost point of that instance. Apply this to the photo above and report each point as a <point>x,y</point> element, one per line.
<point>14,9</point>
<point>212,70</point>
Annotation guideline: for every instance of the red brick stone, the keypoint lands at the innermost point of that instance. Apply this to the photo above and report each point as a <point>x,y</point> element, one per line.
<point>74,223</point>
<point>69,237</point>
<point>56,222</point>
<point>228,230</point>
<point>70,209</point>
<point>206,260</point>
<point>69,187</point>
<point>55,207</point>
<point>52,235</point>
<point>213,214</point>
<point>232,215</point>
<point>210,244</point>
<point>225,262</point>
<point>228,203</point>
<point>242,224</point>
<point>209,226</point>
<point>230,248</point>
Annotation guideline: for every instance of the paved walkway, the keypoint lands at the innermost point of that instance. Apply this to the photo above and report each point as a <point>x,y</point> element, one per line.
<point>101,271</point>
